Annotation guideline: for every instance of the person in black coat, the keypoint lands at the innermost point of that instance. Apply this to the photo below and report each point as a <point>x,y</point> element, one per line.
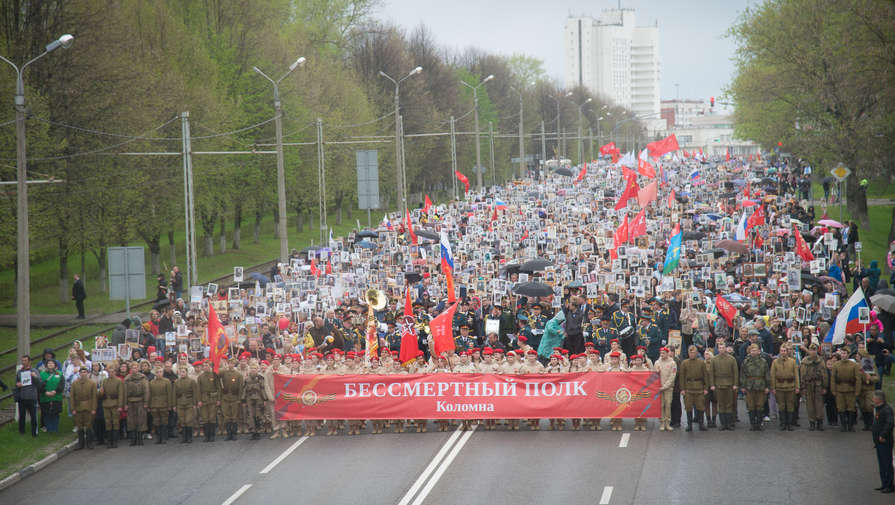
<point>883,423</point>
<point>26,394</point>
<point>78,294</point>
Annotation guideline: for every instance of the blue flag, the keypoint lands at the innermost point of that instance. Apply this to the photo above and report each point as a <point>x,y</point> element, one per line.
<point>673,256</point>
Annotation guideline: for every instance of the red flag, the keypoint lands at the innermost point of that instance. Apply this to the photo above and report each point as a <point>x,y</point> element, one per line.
<point>648,193</point>
<point>638,225</point>
<point>756,219</point>
<point>608,148</point>
<point>329,267</point>
<point>802,248</point>
<point>686,154</point>
<point>314,270</point>
<point>645,169</point>
<point>427,205</point>
<point>442,334</point>
<point>581,175</point>
<point>627,173</point>
<point>671,199</point>
<point>494,214</point>
<point>726,309</point>
<point>409,344</point>
<point>757,241</point>
<point>727,156</point>
<point>217,339</point>
<point>660,147</point>
<point>410,227</point>
<point>630,192</point>
<point>759,155</point>
<point>465,180</point>
<point>615,156</point>
<point>621,233</point>
<point>524,236</point>
<point>700,152</point>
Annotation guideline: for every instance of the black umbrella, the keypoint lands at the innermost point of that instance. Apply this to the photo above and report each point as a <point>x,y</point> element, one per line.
<point>366,234</point>
<point>509,269</point>
<point>885,291</point>
<point>828,180</point>
<point>693,235</point>
<point>768,180</point>
<point>533,289</point>
<point>427,234</point>
<point>311,248</point>
<point>412,277</point>
<point>261,278</point>
<point>808,279</point>
<point>564,171</point>
<point>718,252</point>
<point>535,265</point>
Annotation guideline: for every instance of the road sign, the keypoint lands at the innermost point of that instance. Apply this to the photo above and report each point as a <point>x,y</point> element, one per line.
<point>367,179</point>
<point>127,275</point>
<point>840,172</point>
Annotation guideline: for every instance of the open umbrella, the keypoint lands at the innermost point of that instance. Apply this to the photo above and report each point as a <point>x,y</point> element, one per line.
<point>575,284</point>
<point>736,298</point>
<point>733,246</point>
<point>885,291</point>
<point>811,279</point>
<point>427,234</point>
<point>693,235</point>
<point>366,234</point>
<point>261,278</point>
<point>884,302</point>
<point>365,244</point>
<point>510,268</point>
<point>836,282</point>
<point>831,223</point>
<point>533,289</point>
<point>412,277</point>
<point>535,265</point>
<point>564,171</point>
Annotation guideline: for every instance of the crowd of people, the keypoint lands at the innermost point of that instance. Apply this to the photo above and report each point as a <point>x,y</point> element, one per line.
<point>719,275</point>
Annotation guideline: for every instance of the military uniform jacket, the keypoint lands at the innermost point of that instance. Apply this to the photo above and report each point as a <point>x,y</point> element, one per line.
<point>784,374</point>
<point>846,377</point>
<point>623,320</point>
<point>605,335</point>
<point>209,387</point>
<point>527,367</point>
<point>693,375</point>
<point>724,372</point>
<point>233,386</point>
<point>161,393</point>
<point>254,388</point>
<point>114,396</point>
<point>186,392</point>
<point>813,373</point>
<point>650,337</point>
<point>137,387</point>
<point>754,374</point>
<point>83,395</point>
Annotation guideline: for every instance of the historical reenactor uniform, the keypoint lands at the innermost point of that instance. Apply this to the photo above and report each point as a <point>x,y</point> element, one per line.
<point>754,380</point>
<point>137,386</point>
<point>868,384</point>
<point>114,399</point>
<point>209,401</point>
<point>724,377</point>
<point>784,384</point>
<point>161,401</point>
<point>694,380</point>
<point>814,380</point>
<point>254,396</point>
<point>186,399</point>
<point>83,406</point>
<point>232,393</point>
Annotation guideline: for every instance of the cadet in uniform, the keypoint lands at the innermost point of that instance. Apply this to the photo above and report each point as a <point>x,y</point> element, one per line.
<point>531,365</point>
<point>754,380</point>
<point>814,381</point>
<point>254,396</point>
<point>695,381</point>
<point>785,385</point>
<point>667,369</point>
<point>724,377</point>
<point>83,407</point>
<point>232,393</point>
<point>639,365</point>
<point>209,400</point>
<point>161,401</point>
<point>114,399</point>
<point>137,386</point>
<point>186,397</point>
<point>615,364</point>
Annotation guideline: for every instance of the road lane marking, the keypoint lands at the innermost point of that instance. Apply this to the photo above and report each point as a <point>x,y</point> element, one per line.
<point>429,469</point>
<point>283,456</point>
<point>444,465</point>
<point>624,441</point>
<point>604,498</point>
<point>235,496</point>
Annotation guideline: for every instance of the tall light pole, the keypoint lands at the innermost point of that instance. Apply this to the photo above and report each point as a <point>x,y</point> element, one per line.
<point>589,100</point>
<point>521,134</point>
<point>478,146</point>
<point>399,148</point>
<point>23,253</point>
<point>559,150</point>
<point>281,171</point>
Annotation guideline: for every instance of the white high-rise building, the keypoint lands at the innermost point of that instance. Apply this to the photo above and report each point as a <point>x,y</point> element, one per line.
<point>615,59</point>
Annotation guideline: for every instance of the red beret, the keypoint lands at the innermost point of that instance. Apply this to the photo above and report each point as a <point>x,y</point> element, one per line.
<point>532,352</point>
<point>150,349</point>
<point>498,351</point>
<point>564,351</point>
<point>522,338</point>
<point>639,347</point>
<point>665,349</point>
<point>264,362</point>
<point>588,344</point>
<point>420,354</point>
<point>613,340</point>
<point>615,354</point>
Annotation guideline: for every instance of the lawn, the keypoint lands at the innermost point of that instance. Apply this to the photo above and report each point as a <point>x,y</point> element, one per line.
<point>18,451</point>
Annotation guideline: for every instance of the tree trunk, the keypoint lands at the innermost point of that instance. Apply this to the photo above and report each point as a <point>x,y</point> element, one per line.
<point>276,221</point>
<point>223,233</point>
<point>339,215</point>
<point>300,222</point>
<point>172,248</point>
<point>155,254</point>
<point>209,244</point>
<point>64,291</point>
<point>102,262</point>
<point>857,201</point>
<point>257,236</point>
<point>237,226</point>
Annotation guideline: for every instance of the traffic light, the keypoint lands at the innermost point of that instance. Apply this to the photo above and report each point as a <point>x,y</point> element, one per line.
<point>712,101</point>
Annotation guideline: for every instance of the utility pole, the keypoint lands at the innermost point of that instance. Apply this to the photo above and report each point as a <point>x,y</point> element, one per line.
<point>454,160</point>
<point>399,148</point>
<point>478,146</point>
<point>521,142</point>
<point>187,226</point>
<point>590,145</point>
<point>321,182</point>
<point>543,149</point>
<point>491,147</point>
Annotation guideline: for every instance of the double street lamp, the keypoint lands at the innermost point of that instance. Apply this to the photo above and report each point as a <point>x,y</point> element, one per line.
<point>281,171</point>
<point>581,106</point>
<point>23,266</point>
<point>399,137</point>
<point>478,146</point>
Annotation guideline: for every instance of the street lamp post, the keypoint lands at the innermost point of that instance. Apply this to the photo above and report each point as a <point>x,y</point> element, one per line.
<point>399,148</point>
<point>580,159</point>
<point>478,146</point>
<point>559,149</point>
<point>281,170</point>
<point>23,265</point>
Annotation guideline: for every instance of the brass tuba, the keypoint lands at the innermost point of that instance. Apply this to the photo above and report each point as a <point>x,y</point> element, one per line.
<point>375,299</point>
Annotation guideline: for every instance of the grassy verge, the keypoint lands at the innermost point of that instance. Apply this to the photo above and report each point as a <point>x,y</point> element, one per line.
<point>18,451</point>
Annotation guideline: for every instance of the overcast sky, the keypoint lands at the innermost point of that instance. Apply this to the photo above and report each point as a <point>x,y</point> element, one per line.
<point>693,51</point>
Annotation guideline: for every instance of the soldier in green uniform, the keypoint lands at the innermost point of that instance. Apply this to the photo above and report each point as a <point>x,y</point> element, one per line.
<point>845,381</point>
<point>83,407</point>
<point>754,380</point>
<point>232,393</point>
<point>648,335</point>
<point>725,382</point>
<point>254,397</point>
<point>814,382</point>
<point>662,319</point>
<point>537,322</point>
<point>161,402</point>
<point>209,400</point>
<point>624,323</point>
<point>464,341</point>
<point>114,399</point>
<point>868,384</point>
<point>694,380</point>
<point>785,385</point>
<point>605,334</point>
<point>186,398</point>
<point>137,387</point>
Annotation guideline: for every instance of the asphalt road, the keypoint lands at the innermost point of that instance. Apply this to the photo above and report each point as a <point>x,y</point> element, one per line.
<point>477,467</point>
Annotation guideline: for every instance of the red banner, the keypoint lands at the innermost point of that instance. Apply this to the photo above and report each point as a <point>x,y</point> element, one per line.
<point>468,396</point>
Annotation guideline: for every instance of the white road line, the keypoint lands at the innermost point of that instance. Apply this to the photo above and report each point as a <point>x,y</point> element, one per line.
<point>604,498</point>
<point>283,456</point>
<point>624,441</point>
<point>444,465</point>
<point>235,496</point>
<point>428,471</point>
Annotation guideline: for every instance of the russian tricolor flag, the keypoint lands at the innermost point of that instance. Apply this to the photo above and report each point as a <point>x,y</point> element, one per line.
<point>847,322</point>
<point>500,204</point>
<point>447,266</point>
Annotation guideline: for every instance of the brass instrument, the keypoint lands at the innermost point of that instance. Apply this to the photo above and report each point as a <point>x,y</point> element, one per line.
<point>376,300</point>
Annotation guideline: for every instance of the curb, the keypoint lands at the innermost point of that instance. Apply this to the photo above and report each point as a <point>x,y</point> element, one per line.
<point>38,466</point>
